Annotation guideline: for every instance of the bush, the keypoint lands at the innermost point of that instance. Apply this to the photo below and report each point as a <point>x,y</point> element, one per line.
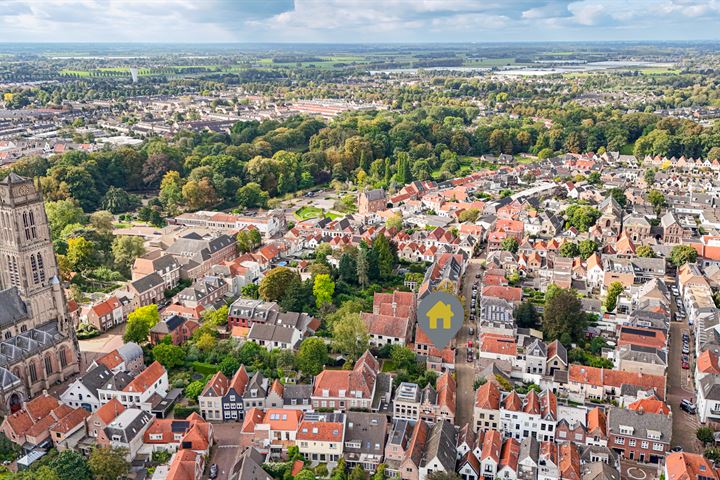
<point>85,331</point>
<point>182,411</point>
<point>205,368</point>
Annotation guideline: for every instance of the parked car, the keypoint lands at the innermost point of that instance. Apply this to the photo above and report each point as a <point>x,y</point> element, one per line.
<point>477,275</point>
<point>470,356</point>
<point>686,349</point>
<point>471,331</point>
<point>685,365</point>
<point>688,406</point>
<point>213,471</point>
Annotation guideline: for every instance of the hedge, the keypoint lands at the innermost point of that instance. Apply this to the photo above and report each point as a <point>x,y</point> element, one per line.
<point>205,368</point>
<point>181,411</point>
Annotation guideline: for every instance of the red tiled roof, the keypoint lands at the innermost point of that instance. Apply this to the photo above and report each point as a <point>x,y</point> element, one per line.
<point>146,379</point>
<point>71,420</point>
<point>109,411</point>
<point>689,466</point>
<point>650,405</point>
<point>488,396</point>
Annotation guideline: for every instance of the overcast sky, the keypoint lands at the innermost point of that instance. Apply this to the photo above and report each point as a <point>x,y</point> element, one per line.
<point>356,21</point>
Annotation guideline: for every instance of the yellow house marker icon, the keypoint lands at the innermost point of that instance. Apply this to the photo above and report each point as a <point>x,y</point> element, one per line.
<point>440,311</point>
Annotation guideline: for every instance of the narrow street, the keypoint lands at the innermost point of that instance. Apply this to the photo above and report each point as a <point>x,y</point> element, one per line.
<point>465,398</point>
<point>680,385</point>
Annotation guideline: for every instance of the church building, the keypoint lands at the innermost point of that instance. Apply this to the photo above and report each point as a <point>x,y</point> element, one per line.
<point>38,347</point>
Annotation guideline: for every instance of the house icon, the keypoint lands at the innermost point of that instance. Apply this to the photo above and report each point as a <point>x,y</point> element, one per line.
<point>440,312</point>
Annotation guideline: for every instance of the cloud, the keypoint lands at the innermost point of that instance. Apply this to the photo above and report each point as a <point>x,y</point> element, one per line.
<point>355,20</point>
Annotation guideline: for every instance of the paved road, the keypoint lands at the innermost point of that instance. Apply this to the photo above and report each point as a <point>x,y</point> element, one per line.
<point>226,450</point>
<point>465,398</point>
<point>97,347</point>
<point>680,385</point>
<point>637,471</point>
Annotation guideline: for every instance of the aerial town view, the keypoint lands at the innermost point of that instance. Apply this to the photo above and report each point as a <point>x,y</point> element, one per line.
<point>359,240</point>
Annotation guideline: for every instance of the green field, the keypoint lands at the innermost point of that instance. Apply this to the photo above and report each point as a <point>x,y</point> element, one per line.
<point>308,212</point>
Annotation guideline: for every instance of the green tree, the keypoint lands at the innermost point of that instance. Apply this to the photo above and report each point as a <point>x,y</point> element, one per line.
<point>251,290</point>
<point>312,356</point>
<point>619,195</point>
<point>171,190</point>
<point>305,474</point>
<point>569,249</point>
<point>108,463</point>
<point>194,389</point>
<point>216,318</point>
<point>403,357</point>
<point>582,217</point>
<point>102,220</point>
<point>564,317</point>
<point>510,244</point>
<point>71,464</point>
<point>169,355</point>
<point>229,365</point>
<point>140,322</point>
<point>350,335</point>
<point>469,215</point>
<point>363,267</point>
<point>587,248</point>
<point>63,213</point>
<point>614,291</point>
<point>251,195</point>
<point>657,200</point>
<point>682,254</point>
<point>526,315</point>
<point>248,240</point>
<point>80,253</point>
<point>347,269</point>
<point>386,259</point>
<point>275,283</point>
<point>125,250</point>
<point>645,251</point>
<point>323,289</point>
<point>706,435</point>
<point>338,472</point>
<point>394,221</point>
<point>357,473</point>
<point>380,472</point>
<point>649,176</point>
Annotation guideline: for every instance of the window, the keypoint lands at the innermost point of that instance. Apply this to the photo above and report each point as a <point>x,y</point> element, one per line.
<point>33,373</point>
<point>48,365</point>
<point>620,440</point>
<point>41,267</point>
<point>33,267</point>
<point>63,358</point>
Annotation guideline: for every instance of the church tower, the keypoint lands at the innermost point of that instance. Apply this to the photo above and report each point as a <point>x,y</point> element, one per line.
<point>27,259</point>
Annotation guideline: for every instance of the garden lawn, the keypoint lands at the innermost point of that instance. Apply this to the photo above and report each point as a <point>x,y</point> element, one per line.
<point>307,212</point>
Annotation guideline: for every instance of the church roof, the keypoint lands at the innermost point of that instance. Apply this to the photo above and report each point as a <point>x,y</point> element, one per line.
<point>13,178</point>
<point>14,309</point>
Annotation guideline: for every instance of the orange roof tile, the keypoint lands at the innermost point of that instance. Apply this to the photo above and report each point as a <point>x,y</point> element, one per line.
<point>109,411</point>
<point>689,466</point>
<point>71,420</point>
<point>146,379</point>
<point>707,362</point>
<point>488,396</point>
<point>650,405</point>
